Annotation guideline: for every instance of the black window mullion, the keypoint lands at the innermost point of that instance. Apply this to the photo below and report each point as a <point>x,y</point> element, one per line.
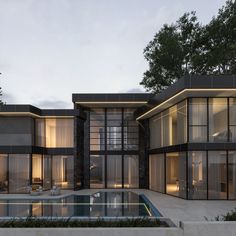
<point>207,173</point>
<point>227,173</point>
<point>105,156</point>
<point>228,120</point>
<point>122,145</point>
<point>208,132</point>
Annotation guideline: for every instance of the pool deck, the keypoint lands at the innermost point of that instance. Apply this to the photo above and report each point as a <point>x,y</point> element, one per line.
<point>170,207</point>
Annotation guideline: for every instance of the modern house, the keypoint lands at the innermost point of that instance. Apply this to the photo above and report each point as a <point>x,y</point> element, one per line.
<point>180,142</point>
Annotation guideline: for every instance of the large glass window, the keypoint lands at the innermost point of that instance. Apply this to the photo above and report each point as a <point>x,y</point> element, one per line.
<point>217,175</point>
<point>16,131</point>
<point>198,120</point>
<point>131,131</point>
<point>169,127</point>
<point>40,139</point>
<point>59,133</point>
<point>114,171</point>
<point>131,173</point>
<point>232,119</point>
<point>37,169</point>
<point>97,129</point>
<point>218,130</point>
<point>19,178</point>
<point>176,174</point>
<point>156,132</point>
<point>63,171</point>
<point>232,174</point>
<point>47,171</point>
<point>157,172</point>
<point>197,175</point>
<point>114,129</point>
<point>97,171</point>
<point>3,173</point>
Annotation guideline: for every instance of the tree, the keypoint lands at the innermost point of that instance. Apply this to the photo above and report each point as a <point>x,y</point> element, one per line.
<point>187,47</point>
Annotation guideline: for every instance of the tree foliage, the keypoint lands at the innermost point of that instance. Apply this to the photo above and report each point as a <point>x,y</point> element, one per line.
<point>187,47</point>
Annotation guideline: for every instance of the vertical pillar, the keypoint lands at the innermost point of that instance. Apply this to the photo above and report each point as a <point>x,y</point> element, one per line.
<point>79,177</point>
<point>143,154</point>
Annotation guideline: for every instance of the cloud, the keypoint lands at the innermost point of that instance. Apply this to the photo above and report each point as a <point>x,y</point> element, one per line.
<point>53,104</point>
<point>133,90</point>
<point>8,98</point>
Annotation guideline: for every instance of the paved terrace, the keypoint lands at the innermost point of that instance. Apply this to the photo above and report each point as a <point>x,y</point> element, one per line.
<point>170,207</point>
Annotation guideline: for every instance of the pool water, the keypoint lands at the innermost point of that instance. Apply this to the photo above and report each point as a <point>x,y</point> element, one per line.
<point>100,204</point>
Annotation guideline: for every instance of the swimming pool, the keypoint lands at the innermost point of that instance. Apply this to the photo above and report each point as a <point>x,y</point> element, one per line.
<point>100,204</point>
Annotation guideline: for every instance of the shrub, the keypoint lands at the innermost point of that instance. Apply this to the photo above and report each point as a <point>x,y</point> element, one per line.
<point>33,222</point>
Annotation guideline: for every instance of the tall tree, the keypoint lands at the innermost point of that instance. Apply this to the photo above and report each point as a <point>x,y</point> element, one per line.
<point>187,47</point>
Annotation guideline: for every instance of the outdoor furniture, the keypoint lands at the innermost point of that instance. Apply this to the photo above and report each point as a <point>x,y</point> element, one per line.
<point>35,190</point>
<point>55,191</point>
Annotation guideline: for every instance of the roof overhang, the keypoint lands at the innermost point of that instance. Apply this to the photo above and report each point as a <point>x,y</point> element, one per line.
<point>185,93</point>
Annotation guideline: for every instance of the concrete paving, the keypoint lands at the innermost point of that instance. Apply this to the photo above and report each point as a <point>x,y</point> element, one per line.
<point>170,207</point>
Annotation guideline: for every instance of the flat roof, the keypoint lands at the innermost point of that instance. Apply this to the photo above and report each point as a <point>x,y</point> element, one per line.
<point>29,110</point>
<point>190,86</point>
<point>111,99</point>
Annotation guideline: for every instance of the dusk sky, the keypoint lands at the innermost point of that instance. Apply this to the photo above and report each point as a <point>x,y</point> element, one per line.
<point>50,49</point>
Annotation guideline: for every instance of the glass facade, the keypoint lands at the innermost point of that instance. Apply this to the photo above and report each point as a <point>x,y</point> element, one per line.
<point>157,172</point>
<point>37,174</point>
<point>97,171</point>
<point>169,127</point>
<point>19,175</point>
<point>97,129</point>
<point>197,175</point>
<point>217,175</point>
<point>63,171</point>
<point>131,171</point>
<point>218,130</point>
<point>47,172</point>
<point>3,173</point>
<point>176,174</point>
<point>114,133</point>
<point>198,120</point>
<point>55,133</point>
<point>114,171</point>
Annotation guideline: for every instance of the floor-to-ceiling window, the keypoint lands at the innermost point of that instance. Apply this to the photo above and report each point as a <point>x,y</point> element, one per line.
<point>55,133</point>
<point>114,129</point>
<point>3,173</point>
<point>218,129</point>
<point>37,169</point>
<point>97,130</point>
<point>19,176</point>
<point>197,175</point>
<point>197,120</point>
<point>232,174</point>
<point>131,167</point>
<point>114,171</point>
<point>47,172</point>
<point>232,119</point>
<point>114,144</point>
<point>63,171</point>
<point>217,175</point>
<point>157,172</point>
<point>97,171</point>
<point>176,174</point>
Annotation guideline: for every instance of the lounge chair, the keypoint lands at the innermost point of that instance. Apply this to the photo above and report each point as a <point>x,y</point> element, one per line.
<point>55,191</point>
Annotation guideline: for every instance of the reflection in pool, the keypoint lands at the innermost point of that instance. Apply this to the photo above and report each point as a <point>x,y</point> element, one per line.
<point>100,204</point>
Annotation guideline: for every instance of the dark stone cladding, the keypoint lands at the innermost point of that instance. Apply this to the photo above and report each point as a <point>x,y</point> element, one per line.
<point>195,147</point>
<point>108,97</point>
<point>189,82</point>
<point>41,112</point>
